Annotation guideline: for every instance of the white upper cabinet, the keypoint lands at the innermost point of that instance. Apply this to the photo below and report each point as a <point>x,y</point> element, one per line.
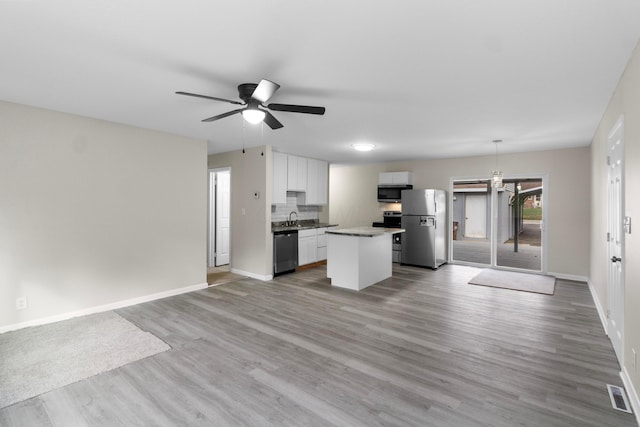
<point>307,177</point>
<point>296,173</point>
<point>312,182</point>
<point>323,182</point>
<point>395,178</point>
<point>279,178</point>
<point>317,177</point>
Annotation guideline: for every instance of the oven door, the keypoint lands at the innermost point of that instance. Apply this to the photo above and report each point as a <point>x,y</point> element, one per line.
<point>397,239</point>
<point>396,248</point>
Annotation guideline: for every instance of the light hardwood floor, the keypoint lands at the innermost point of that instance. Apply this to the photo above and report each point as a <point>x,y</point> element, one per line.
<point>422,348</point>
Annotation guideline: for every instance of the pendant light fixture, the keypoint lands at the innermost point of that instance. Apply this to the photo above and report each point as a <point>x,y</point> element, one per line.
<point>496,174</point>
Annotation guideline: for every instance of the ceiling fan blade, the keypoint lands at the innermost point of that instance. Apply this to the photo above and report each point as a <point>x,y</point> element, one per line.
<point>210,97</point>
<point>223,115</point>
<point>265,90</point>
<point>297,108</point>
<point>271,121</point>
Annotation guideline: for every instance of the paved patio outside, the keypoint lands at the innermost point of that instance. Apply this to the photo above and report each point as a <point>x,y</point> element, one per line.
<point>529,255</point>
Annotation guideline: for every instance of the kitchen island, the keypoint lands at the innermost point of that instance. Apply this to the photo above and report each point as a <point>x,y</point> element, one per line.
<point>359,257</point>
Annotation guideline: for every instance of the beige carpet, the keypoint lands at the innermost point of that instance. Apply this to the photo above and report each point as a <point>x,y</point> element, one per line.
<point>43,358</point>
<point>537,283</point>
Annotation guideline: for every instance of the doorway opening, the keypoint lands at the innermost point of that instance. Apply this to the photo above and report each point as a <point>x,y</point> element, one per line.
<point>498,227</point>
<point>219,224</point>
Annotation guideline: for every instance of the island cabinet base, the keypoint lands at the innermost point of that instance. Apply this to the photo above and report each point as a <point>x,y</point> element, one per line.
<point>355,262</point>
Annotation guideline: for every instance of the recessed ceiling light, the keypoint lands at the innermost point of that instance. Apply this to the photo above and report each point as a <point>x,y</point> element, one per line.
<point>363,146</point>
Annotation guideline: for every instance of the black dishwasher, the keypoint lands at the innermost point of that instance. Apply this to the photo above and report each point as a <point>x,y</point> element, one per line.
<point>285,251</point>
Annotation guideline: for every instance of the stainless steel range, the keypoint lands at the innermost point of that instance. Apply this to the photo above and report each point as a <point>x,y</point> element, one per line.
<point>392,219</point>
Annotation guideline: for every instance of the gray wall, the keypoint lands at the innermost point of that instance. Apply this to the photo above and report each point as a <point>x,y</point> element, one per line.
<point>95,213</point>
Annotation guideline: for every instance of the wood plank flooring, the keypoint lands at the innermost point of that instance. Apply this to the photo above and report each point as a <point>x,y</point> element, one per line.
<point>422,348</point>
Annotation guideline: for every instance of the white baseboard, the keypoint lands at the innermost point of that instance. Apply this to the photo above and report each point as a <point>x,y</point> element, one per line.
<point>601,311</point>
<point>101,308</point>
<point>264,278</point>
<point>632,395</point>
<point>573,277</point>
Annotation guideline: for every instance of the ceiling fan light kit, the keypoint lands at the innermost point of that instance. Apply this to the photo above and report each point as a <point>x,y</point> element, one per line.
<point>253,116</point>
<point>254,96</point>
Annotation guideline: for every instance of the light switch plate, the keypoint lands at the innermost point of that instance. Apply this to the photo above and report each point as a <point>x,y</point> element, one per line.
<point>627,224</point>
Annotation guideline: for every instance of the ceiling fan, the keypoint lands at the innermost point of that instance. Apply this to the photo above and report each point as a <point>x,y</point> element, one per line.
<point>253,97</point>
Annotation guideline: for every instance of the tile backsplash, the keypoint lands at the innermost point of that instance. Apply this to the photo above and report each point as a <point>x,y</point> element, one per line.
<point>281,212</point>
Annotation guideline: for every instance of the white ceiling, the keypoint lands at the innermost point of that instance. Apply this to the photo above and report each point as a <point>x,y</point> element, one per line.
<point>419,79</point>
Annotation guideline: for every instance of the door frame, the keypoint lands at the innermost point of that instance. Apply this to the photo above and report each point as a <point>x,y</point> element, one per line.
<point>211,216</point>
<point>494,220</point>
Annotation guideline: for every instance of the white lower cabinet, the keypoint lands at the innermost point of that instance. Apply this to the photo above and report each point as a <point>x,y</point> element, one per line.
<point>322,253</point>
<point>312,245</point>
<point>322,243</point>
<point>307,246</point>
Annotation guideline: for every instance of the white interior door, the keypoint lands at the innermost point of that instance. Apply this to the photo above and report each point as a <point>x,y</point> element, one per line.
<point>211,238</point>
<point>475,212</point>
<point>223,217</point>
<point>615,312</point>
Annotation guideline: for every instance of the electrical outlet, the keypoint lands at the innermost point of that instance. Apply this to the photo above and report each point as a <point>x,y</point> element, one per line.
<point>21,303</point>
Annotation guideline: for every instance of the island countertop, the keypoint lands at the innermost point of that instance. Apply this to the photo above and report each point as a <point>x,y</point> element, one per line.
<point>365,231</point>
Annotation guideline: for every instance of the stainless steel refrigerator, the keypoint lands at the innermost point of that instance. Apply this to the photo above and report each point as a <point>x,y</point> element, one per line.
<point>424,217</point>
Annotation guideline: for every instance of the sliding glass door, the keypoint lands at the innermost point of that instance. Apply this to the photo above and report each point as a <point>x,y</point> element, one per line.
<point>471,237</point>
<point>498,226</point>
<point>519,224</point>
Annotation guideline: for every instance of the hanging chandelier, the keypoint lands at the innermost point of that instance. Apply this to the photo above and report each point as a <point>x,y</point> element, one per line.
<point>496,174</point>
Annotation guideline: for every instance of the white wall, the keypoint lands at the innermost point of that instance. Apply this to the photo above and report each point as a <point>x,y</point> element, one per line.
<point>626,101</point>
<point>353,202</point>
<point>93,213</point>
<point>251,239</point>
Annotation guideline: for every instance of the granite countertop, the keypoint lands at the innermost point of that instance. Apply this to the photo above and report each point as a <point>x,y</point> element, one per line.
<point>277,227</point>
<point>366,231</point>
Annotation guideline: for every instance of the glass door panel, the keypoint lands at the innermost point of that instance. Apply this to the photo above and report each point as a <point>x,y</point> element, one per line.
<point>519,224</point>
<point>471,216</point>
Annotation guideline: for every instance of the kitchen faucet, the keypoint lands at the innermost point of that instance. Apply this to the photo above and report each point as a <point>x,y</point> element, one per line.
<point>293,212</point>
